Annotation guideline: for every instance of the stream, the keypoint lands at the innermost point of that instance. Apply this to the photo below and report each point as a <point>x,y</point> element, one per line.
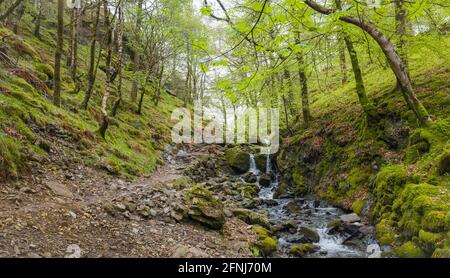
<point>312,213</point>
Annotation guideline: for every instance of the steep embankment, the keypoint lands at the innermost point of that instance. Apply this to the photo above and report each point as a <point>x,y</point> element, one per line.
<point>394,173</point>
<point>33,131</point>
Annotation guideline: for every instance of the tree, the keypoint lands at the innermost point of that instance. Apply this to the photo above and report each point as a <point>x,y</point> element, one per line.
<point>11,9</point>
<point>58,54</point>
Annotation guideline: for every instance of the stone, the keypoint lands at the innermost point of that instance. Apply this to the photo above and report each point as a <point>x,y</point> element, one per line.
<point>282,191</point>
<point>266,244</point>
<point>59,189</point>
<point>237,159</point>
<point>250,178</point>
<point>73,251</point>
<point>265,180</point>
<point>350,218</point>
<point>293,207</point>
<point>335,226</point>
<point>251,217</point>
<point>183,251</point>
<point>204,208</point>
<point>302,249</point>
<point>373,251</point>
<point>309,234</point>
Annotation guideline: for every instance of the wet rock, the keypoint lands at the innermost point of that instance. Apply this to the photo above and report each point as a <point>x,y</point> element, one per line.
<point>237,159</point>
<point>265,244</point>
<point>269,202</point>
<point>373,251</point>
<point>249,178</point>
<point>302,249</point>
<point>204,208</point>
<point>293,207</point>
<point>247,190</point>
<point>350,218</point>
<point>251,217</point>
<point>261,162</point>
<point>289,226</point>
<point>265,180</point>
<point>282,191</point>
<point>309,234</point>
<point>335,226</point>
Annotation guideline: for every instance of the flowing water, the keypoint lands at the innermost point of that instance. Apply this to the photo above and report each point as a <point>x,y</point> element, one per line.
<point>311,213</point>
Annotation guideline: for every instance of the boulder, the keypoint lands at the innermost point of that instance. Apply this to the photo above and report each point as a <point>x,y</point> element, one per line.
<point>293,207</point>
<point>350,218</point>
<point>251,217</point>
<point>309,234</point>
<point>265,180</point>
<point>335,226</point>
<point>302,249</point>
<point>261,162</point>
<point>238,160</point>
<point>266,244</point>
<point>204,208</point>
<point>282,191</point>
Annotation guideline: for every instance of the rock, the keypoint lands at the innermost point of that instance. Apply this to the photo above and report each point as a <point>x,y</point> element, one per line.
<point>251,217</point>
<point>302,249</point>
<point>183,251</point>
<point>73,251</point>
<point>350,218</point>
<point>59,189</point>
<point>309,234</point>
<point>444,164</point>
<point>247,190</point>
<point>204,208</point>
<point>120,207</point>
<point>289,226</point>
<point>178,217</point>
<point>109,208</point>
<point>153,212</point>
<point>282,191</point>
<point>373,251</point>
<point>335,226</point>
<point>237,159</point>
<point>293,207</point>
<point>265,180</point>
<point>266,244</point>
<point>250,178</point>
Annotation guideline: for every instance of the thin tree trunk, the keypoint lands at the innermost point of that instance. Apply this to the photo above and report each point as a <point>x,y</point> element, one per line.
<point>304,84</point>
<point>18,19</point>
<point>392,56</point>
<point>137,57</point>
<point>104,108</point>
<point>58,54</point>
<point>10,10</point>
<point>74,43</point>
<point>120,66</point>
<point>92,72</point>
<point>37,26</point>
<point>342,61</point>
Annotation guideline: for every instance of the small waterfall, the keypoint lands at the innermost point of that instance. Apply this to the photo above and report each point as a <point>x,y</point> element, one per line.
<point>253,169</point>
<point>268,164</point>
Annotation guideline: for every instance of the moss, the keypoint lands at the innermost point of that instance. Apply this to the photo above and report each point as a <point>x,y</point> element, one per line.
<point>182,183</point>
<point>409,250</point>
<point>302,249</point>
<point>441,253</point>
<point>204,207</point>
<point>385,232</point>
<point>46,69</point>
<point>299,183</point>
<point>434,221</point>
<point>429,241</point>
<point>266,244</point>
<point>11,158</point>
<point>238,159</point>
<point>444,163</point>
<point>358,206</point>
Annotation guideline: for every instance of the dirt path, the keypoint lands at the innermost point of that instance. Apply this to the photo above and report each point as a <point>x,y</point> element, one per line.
<point>57,212</point>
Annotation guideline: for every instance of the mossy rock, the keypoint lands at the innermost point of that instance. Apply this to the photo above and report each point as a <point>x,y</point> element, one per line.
<point>441,253</point>
<point>266,244</point>
<point>251,217</point>
<point>46,69</point>
<point>409,250</point>
<point>238,159</point>
<point>429,241</point>
<point>358,206</point>
<point>247,190</point>
<point>261,162</point>
<point>434,221</point>
<point>444,163</point>
<point>204,207</point>
<point>11,158</point>
<point>182,183</point>
<point>385,232</point>
<point>300,250</point>
<point>299,183</point>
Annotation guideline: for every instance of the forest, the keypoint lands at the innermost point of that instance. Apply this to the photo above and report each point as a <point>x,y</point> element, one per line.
<point>360,162</point>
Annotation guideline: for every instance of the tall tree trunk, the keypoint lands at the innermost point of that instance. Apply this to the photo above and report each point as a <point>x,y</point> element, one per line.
<point>104,108</point>
<point>304,84</point>
<point>92,72</point>
<point>143,90</point>
<point>10,9</point>
<point>58,54</point>
<point>401,20</point>
<point>367,106</point>
<point>290,95</point>
<point>37,25</point>
<point>120,65</point>
<point>20,12</point>
<point>73,57</point>
<point>137,57</point>
<point>392,56</point>
<point>342,60</point>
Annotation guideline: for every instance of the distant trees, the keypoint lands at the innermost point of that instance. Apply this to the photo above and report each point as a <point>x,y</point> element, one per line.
<point>58,54</point>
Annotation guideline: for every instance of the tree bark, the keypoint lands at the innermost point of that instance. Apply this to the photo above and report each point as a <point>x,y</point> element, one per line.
<point>120,65</point>
<point>58,54</point>
<point>392,56</point>
<point>303,83</point>
<point>137,57</point>
<point>92,72</point>
<point>37,26</point>
<point>11,9</point>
